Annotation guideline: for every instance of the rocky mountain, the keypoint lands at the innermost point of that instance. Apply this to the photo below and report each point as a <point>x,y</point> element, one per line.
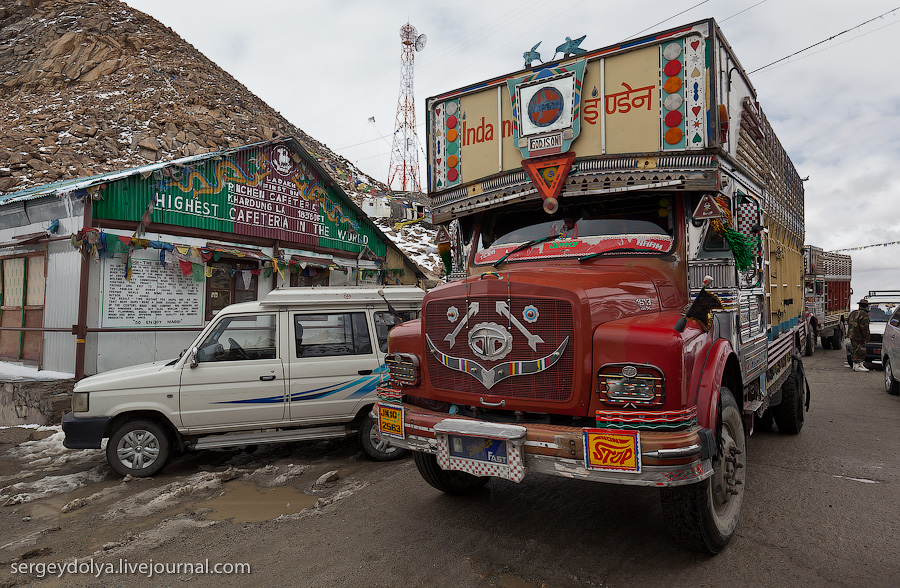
<point>91,86</point>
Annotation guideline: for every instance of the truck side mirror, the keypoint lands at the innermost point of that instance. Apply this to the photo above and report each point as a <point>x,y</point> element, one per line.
<point>195,352</point>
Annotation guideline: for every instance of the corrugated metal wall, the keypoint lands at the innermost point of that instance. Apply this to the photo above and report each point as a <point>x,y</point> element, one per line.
<point>61,306</point>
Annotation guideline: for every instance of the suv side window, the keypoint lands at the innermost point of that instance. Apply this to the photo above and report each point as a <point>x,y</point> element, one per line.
<point>240,337</point>
<point>332,334</point>
<point>895,318</point>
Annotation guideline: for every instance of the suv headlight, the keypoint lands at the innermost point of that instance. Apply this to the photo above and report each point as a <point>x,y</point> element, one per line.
<point>639,384</point>
<point>80,402</point>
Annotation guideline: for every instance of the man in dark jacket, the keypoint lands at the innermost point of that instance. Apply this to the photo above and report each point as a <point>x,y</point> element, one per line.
<point>859,334</point>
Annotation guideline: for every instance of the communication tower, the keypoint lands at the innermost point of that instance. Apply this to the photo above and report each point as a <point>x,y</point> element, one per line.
<point>404,165</point>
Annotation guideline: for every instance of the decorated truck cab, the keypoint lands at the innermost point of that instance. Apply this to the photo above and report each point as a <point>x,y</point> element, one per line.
<point>625,300</point>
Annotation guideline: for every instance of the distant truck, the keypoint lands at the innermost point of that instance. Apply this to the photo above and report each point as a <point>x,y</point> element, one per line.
<point>627,233</point>
<point>827,287</point>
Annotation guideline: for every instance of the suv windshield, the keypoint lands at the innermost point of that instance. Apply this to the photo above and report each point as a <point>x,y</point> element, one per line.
<point>880,312</point>
<point>579,228</point>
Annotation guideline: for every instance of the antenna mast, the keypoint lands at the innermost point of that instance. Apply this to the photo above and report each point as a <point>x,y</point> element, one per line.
<point>404,152</point>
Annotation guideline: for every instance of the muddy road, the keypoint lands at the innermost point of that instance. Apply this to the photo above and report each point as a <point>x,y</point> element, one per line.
<point>822,509</point>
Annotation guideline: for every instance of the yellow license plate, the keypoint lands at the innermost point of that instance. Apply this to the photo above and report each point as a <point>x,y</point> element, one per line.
<point>390,420</point>
<point>612,450</point>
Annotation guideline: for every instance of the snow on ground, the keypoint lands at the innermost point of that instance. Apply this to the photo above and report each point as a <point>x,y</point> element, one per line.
<point>49,453</point>
<point>14,371</point>
<point>51,485</point>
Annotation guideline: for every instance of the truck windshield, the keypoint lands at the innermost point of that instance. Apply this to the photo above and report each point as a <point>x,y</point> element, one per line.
<point>638,223</point>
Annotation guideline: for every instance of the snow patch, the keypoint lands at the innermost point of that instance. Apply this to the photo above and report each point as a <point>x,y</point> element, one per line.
<point>16,371</point>
<point>49,486</point>
<point>155,500</point>
<point>49,453</point>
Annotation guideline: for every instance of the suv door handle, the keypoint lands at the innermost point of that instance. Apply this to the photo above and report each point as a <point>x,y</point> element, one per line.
<point>267,378</point>
<point>364,372</point>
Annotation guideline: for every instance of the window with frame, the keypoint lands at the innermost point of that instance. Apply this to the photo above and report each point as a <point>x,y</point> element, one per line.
<point>229,284</point>
<point>240,337</point>
<point>332,334</point>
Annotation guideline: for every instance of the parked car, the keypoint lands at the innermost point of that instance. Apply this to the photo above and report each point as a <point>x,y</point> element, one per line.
<point>882,304</point>
<point>299,364</point>
<point>890,353</point>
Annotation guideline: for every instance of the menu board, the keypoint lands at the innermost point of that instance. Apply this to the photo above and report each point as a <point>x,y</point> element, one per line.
<point>156,296</point>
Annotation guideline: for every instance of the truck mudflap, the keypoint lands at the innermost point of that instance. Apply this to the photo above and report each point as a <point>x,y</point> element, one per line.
<point>510,451</point>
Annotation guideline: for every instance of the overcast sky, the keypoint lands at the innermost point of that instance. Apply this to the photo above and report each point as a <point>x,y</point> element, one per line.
<point>329,66</point>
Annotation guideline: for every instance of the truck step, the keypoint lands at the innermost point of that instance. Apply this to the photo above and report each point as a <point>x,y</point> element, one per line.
<point>751,406</point>
<point>260,438</point>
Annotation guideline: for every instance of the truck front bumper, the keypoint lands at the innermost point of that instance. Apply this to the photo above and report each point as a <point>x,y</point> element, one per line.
<point>667,458</point>
<point>84,432</point>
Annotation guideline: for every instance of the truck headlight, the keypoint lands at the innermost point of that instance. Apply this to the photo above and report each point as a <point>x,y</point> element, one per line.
<point>404,368</point>
<point>620,384</point>
<point>80,402</point>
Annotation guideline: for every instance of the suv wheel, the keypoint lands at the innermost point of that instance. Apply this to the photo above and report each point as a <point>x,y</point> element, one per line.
<point>139,448</point>
<point>375,448</point>
<point>891,386</point>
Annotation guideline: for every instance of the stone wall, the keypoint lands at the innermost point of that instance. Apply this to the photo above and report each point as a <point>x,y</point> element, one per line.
<point>28,402</point>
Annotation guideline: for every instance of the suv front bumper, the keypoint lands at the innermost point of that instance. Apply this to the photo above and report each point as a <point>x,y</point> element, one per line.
<point>83,432</point>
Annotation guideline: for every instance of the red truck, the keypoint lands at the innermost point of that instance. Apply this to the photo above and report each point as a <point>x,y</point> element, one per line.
<point>828,293</point>
<point>625,300</point>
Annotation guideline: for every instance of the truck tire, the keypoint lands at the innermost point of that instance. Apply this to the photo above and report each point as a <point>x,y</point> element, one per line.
<point>704,516</point>
<point>447,481</point>
<point>139,448</point>
<point>837,337</point>
<point>891,386</point>
<point>375,448</point>
<point>810,344</point>
<point>789,414</point>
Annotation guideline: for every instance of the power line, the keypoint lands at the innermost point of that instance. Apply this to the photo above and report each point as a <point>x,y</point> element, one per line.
<point>823,41</point>
<point>666,20</point>
<point>860,36</point>
<point>742,11</point>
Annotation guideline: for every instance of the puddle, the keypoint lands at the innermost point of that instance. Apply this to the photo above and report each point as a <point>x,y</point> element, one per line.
<point>51,506</point>
<point>245,502</point>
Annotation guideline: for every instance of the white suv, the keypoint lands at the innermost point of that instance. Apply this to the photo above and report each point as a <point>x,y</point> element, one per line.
<point>882,304</point>
<point>890,352</point>
<point>300,364</point>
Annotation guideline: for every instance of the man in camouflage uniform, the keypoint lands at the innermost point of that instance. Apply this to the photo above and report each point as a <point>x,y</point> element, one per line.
<point>859,334</point>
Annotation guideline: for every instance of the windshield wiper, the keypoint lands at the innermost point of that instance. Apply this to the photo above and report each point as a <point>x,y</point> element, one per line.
<point>526,245</point>
<point>584,258</point>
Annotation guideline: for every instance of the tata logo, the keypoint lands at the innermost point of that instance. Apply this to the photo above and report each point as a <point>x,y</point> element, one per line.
<point>490,341</point>
<point>545,107</point>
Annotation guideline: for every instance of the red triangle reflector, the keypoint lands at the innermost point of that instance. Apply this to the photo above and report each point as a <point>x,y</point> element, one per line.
<point>547,176</point>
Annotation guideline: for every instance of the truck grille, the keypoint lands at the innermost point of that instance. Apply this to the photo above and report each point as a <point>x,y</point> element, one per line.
<point>552,321</point>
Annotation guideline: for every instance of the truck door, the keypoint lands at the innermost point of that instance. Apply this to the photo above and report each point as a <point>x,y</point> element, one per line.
<point>239,377</point>
<point>334,364</point>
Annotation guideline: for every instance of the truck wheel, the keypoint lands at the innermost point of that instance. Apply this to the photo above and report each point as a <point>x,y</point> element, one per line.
<point>139,448</point>
<point>704,516</point>
<point>891,386</point>
<point>377,449</point>
<point>810,344</point>
<point>447,481</point>
<point>837,337</point>
<point>789,414</point>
